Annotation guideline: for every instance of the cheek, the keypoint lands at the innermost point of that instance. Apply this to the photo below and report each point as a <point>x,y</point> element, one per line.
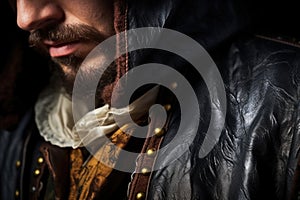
<point>96,13</point>
<point>104,20</point>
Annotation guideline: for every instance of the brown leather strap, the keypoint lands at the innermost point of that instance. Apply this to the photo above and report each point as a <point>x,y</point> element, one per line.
<point>139,184</point>
<point>145,161</point>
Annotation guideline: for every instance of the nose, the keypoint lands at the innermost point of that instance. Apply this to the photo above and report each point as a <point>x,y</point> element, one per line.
<point>36,14</point>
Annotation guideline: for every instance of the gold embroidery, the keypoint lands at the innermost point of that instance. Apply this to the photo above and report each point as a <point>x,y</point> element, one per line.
<point>87,180</point>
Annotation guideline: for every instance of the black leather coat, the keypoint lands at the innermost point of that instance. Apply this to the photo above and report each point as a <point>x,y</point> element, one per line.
<point>256,156</point>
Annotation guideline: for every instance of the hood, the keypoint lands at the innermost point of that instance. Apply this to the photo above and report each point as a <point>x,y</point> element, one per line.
<point>213,22</point>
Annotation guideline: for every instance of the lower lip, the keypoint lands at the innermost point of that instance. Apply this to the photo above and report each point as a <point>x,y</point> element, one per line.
<point>64,50</point>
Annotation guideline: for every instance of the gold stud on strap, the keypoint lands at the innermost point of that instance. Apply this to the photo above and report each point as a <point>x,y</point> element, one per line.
<point>140,195</point>
<point>174,85</point>
<point>145,170</point>
<point>151,152</point>
<point>40,160</point>
<point>37,172</point>
<point>159,132</point>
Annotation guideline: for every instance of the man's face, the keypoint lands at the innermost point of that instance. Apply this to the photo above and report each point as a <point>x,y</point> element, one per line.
<point>67,30</point>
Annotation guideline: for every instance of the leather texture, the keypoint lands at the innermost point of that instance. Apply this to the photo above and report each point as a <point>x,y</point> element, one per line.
<point>256,155</point>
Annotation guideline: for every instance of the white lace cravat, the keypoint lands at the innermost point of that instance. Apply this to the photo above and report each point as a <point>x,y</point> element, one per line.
<point>55,122</point>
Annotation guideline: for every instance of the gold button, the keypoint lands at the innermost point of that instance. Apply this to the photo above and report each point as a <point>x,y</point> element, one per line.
<point>174,85</point>
<point>40,160</point>
<point>159,132</point>
<point>151,152</point>
<point>145,170</point>
<point>18,163</point>
<point>17,193</point>
<point>168,107</point>
<point>37,172</point>
<point>140,195</point>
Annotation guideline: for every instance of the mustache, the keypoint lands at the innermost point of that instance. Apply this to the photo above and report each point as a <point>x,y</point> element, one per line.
<point>64,34</point>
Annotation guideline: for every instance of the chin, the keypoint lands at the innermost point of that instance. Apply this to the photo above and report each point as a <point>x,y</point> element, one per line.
<point>68,74</point>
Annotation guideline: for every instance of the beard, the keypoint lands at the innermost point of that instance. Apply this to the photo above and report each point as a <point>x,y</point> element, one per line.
<point>85,80</point>
<point>67,66</point>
